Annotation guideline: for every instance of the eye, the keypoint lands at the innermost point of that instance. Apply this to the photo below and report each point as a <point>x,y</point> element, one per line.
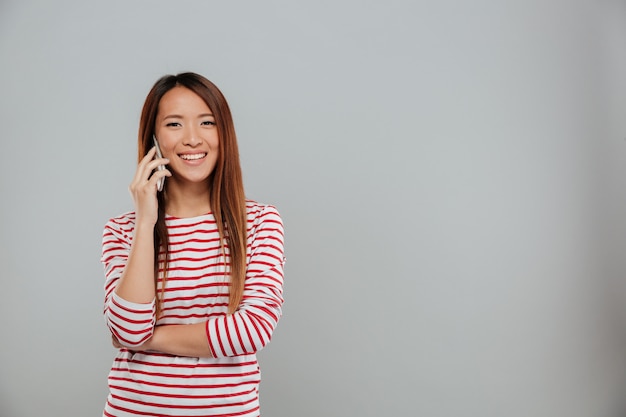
<point>208,123</point>
<point>173,124</point>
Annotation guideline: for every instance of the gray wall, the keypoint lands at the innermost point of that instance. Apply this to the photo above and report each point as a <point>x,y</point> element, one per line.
<point>451,177</point>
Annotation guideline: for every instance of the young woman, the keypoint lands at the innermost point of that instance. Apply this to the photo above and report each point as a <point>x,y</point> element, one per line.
<point>194,275</point>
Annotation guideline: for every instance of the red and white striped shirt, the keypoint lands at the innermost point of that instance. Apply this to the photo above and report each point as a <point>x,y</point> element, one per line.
<point>150,383</point>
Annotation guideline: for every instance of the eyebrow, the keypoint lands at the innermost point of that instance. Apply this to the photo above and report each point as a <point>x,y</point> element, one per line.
<point>178,116</point>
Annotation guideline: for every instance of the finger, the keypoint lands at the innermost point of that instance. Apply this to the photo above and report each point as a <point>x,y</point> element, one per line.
<point>157,175</point>
<point>145,169</point>
<point>141,166</point>
<point>154,164</point>
<point>149,161</point>
<point>149,155</point>
<point>149,185</point>
<point>162,173</point>
<point>115,342</point>
<point>142,173</point>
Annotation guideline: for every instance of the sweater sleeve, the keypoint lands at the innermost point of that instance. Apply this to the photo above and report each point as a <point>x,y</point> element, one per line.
<point>250,328</point>
<point>131,323</point>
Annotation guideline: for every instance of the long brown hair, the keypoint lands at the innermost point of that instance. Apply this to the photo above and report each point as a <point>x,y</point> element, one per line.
<point>227,197</point>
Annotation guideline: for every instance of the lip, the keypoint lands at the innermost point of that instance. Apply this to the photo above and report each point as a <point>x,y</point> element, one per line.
<point>197,156</point>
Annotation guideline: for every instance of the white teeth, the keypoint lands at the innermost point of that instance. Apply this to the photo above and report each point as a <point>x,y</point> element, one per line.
<point>193,157</point>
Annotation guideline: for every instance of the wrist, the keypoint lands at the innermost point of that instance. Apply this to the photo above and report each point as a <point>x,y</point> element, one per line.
<point>143,227</point>
<point>154,342</point>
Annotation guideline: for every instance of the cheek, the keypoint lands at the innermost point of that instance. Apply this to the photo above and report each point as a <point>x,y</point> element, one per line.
<point>167,152</point>
<point>214,149</point>
<point>167,146</point>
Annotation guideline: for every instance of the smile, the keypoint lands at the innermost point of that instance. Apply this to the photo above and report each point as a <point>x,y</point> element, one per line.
<point>193,157</point>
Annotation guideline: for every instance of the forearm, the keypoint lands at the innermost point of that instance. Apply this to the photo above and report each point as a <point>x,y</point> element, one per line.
<point>129,308</point>
<point>180,340</point>
<point>132,324</point>
<point>246,331</point>
<point>136,283</point>
<point>237,334</point>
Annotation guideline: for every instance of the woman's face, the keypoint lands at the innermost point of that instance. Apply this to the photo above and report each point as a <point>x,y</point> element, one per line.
<point>186,131</point>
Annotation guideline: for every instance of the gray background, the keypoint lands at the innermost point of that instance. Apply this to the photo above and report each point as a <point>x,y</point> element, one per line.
<point>451,175</point>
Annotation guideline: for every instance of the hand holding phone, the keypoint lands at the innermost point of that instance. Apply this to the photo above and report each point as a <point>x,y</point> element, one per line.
<point>161,181</point>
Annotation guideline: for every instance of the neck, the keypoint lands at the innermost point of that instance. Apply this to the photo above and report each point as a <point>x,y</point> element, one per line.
<point>190,200</point>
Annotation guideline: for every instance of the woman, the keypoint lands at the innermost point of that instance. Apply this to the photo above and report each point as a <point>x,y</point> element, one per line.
<point>194,275</point>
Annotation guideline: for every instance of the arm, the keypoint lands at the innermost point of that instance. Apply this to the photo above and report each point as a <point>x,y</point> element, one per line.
<point>180,340</point>
<point>128,258</point>
<point>131,323</point>
<point>250,328</point>
<point>136,284</point>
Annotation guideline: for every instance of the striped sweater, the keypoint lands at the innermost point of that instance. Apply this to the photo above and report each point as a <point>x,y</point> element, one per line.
<point>150,383</point>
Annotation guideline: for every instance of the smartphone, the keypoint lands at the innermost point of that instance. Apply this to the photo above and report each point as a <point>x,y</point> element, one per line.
<point>161,181</point>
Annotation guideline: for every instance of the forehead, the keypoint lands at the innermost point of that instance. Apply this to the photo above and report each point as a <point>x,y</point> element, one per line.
<point>181,100</point>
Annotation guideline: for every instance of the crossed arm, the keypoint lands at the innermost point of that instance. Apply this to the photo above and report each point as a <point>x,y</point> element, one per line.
<point>176,339</point>
<point>133,322</point>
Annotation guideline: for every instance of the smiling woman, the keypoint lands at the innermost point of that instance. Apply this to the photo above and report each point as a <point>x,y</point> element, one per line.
<point>194,275</point>
<point>188,137</point>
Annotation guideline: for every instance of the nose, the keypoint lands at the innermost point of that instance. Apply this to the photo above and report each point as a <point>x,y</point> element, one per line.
<point>191,137</point>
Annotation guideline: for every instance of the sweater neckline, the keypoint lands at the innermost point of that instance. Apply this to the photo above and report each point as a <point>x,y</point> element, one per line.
<point>171,218</point>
